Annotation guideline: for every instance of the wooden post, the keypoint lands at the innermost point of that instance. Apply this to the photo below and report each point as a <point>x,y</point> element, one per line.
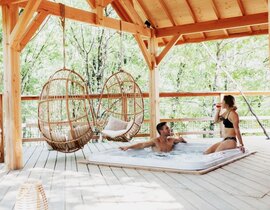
<point>12,92</point>
<point>2,146</point>
<point>268,27</point>
<point>221,96</point>
<point>153,88</point>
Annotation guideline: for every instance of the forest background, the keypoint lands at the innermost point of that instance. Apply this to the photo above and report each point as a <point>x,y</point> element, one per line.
<point>95,53</point>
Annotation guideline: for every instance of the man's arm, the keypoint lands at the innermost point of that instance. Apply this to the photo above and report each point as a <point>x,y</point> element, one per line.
<point>178,140</point>
<point>138,146</point>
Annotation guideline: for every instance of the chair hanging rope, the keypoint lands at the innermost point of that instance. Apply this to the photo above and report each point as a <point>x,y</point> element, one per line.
<point>65,115</point>
<point>63,24</point>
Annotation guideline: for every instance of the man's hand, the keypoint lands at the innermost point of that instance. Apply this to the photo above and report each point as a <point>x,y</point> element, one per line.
<point>124,148</point>
<point>182,140</point>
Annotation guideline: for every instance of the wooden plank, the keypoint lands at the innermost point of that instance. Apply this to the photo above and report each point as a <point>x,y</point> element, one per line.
<point>268,7</point>
<point>172,94</point>
<point>242,188</point>
<point>170,44</point>
<point>216,201</point>
<point>219,37</point>
<point>259,188</point>
<point>182,195</point>
<point>57,197</point>
<point>266,199</point>
<point>73,194</point>
<point>153,89</point>
<point>48,173</point>
<point>90,18</point>
<point>23,21</point>
<point>9,199</point>
<point>12,92</point>
<point>144,50</point>
<point>234,22</point>
<point>254,202</point>
<point>249,174</point>
<point>107,2</point>
<point>229,192</point>
<point>2,154</point>
<point>132,12</point>
<point>167,11</point>
<point>15,178</point>
<point>92,3</point>
<point>224,197</point>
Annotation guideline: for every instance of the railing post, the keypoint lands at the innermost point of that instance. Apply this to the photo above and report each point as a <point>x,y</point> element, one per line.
<point>2,154</point>
<point>220,124</point>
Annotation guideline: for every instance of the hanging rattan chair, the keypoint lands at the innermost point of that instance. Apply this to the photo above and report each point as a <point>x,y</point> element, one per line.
<point>64,112</point>
<point>121,108</point>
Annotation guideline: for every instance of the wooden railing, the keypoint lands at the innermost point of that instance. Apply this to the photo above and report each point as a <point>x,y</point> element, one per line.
<point>146,121</point>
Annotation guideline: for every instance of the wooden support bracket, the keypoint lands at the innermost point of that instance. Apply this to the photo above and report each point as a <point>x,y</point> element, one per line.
<point>21,25</point>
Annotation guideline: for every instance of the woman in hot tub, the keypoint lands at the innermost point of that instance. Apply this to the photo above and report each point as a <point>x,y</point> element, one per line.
<point>231,132</point>
<point>164,143</point>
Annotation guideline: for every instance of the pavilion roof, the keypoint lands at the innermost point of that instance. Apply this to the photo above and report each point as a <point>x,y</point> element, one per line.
<point>197,20</point>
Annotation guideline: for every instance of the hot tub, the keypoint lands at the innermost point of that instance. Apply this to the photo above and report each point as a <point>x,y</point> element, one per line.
<point>184,157</point>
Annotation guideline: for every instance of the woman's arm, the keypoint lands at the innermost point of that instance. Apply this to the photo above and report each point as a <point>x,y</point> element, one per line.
<point>235,120</point>
<point>217,116</point>
<point>138,146</point>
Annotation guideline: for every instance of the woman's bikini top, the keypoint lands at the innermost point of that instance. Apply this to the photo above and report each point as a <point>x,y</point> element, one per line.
<point>226,122</point>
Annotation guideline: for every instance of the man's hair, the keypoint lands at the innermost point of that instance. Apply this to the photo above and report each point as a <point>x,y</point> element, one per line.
<point>160,126</point>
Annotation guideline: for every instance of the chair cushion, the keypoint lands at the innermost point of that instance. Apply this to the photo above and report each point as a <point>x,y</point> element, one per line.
<point>115,124</point>
<point>112,133</point>
<point>138,119</point>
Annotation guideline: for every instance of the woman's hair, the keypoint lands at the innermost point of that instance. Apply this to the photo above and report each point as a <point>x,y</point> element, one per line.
<point>230,101</point>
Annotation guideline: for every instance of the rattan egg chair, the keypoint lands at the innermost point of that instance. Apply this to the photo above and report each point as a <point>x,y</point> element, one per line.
<point>65,114</point>
<point>121,108</point>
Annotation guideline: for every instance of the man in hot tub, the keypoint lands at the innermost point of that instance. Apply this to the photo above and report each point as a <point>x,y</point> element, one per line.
<point>164,143</point>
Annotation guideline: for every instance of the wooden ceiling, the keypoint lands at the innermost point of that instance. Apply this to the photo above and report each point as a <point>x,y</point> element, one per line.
<point>173,22</point>
<point>197,20</point>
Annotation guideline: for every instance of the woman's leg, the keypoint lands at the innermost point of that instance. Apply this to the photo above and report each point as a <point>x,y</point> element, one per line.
<point>228,144</point>
<point>212,148</point>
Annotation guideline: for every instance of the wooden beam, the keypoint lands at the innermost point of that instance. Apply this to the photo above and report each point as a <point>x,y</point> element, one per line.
<point>217,13</point>
<point>99,12</point>
<point>147,13</point>
<point>23,21</point>
<point>168,13</point>
<point>2,146</point>
<point>192,13</point>
<point>32,28</point>
<point>164,52</point>
<point>92,3</point>
<point>153,47</point>
<point>144,50</point>
<point>132,12</point>
<point>90,18</point>
<point>12,92</point>
<point>210,38</point>
<point>243,11</point>
<point>123,15</point>
<point>235,22</point>
<point>154,89</point>
<point>268,7</point>
<point>17,1</point>
<point>107,2</point>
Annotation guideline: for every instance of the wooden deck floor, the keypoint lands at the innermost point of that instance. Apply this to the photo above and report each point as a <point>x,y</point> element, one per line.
<point>244,184</point>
